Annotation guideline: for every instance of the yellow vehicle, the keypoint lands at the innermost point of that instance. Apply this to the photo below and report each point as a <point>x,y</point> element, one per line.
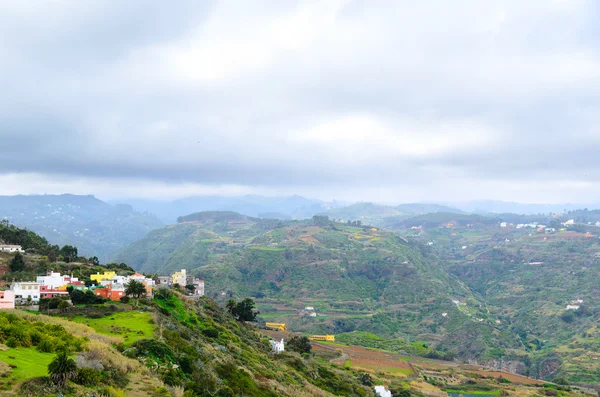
<point>277,326</point>
<point>328,338</point>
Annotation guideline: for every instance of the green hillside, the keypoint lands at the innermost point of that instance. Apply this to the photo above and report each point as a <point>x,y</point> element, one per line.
<point>358,278</point>
<point>527,278</point>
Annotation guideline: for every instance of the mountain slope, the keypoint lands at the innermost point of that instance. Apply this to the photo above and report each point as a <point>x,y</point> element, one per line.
<point>92,225</point>
<point>359,277</point>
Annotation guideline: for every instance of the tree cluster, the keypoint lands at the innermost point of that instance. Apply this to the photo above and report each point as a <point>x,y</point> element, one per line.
<point>87,297</point>
<point>243,310</point>
<point>300,344</point>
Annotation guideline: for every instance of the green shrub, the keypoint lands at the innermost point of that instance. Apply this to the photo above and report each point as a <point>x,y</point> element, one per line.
<point>45,346</point>
<point>88,377</point>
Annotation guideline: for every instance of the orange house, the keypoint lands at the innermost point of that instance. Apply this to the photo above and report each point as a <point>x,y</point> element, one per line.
<point>111,292</point>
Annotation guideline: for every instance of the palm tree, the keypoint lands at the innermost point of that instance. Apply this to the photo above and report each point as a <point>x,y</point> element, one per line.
<point>135,289</point>
<point>62,368</point>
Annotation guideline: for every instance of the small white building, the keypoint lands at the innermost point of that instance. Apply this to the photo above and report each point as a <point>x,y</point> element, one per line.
<point>572,307</point>
<point>54,280</point>
<point>277,347</point>
<point>309,308</point>
<point>502,224</point>
<point>383,391</point>
<point>199,284</point>
<point>569,222</point>
<point>11,248</point>
<point>23,290</point>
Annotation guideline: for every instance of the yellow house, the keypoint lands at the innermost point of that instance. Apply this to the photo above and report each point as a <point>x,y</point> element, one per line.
<point>179,277</point>
<point>104,276</point>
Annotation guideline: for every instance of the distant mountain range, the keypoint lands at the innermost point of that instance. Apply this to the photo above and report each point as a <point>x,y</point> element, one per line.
<point>95,227</point>
<point>292,207</point>
<point>496,206</point>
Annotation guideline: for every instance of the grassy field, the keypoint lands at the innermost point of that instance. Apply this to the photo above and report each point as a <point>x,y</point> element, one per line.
<point>131,326</point>
<point>29,364</point>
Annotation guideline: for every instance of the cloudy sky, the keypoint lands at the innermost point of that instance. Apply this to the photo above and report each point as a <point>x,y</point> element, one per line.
<point>388,101</point>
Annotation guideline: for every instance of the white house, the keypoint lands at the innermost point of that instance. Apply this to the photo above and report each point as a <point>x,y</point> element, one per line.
<point>382,391</point>
<point>572,307</point>
<point>23,290</point>
<point>569,222</point>
<point>277,346</point>
<point>199,284</point>
<point>502,224</point>
<point>54,280</point>
<point>11,248</point>
<point>309,308</point>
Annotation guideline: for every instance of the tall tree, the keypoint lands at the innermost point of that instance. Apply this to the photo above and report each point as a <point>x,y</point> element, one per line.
<point>245,310</point>
<point>136,290</point>
<point>17,264</point>
<point>69,253</point>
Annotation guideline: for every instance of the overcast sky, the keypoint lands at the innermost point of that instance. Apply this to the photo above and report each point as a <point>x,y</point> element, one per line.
<point>388,101</point>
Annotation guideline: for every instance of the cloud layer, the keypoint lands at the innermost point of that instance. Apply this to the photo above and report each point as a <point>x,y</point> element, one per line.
<point>386,101</point>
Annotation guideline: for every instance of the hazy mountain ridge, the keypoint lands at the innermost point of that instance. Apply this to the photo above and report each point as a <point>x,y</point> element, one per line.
<point>292,207</point>
<point>95,227</point>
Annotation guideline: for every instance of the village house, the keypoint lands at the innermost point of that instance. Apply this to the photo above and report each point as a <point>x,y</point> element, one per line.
<point>382,391</point>
<point>57,281</point>
<point>7,299</point>
<point>26,289</point>
<point>163,280</point>
<point>113,292</point>
<point>572,307</point>
<point>11,248</point>
<point>98,277</point>
<point>47,292</point>
<point>179,278</point>
<point>277,347</point>
<point>502,224</point>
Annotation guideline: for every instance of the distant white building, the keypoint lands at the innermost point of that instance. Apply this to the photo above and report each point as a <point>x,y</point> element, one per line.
<point>580,301</point>
<point>11,248</point>
<point>382,391</point>
<point>277,347</point>
<point>572,307</point>
<point>502,224</point>
<point>309,308</point>
<point>54,280</point>
<point>23,290</point>
<point>569,222</point>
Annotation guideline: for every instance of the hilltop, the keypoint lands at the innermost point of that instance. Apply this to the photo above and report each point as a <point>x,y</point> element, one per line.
<point>95,227</point>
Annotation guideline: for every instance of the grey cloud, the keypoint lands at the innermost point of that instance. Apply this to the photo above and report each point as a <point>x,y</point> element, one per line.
<point>91,91</point>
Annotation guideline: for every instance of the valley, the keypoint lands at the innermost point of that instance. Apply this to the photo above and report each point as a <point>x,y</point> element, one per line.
<point>441,284</point>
